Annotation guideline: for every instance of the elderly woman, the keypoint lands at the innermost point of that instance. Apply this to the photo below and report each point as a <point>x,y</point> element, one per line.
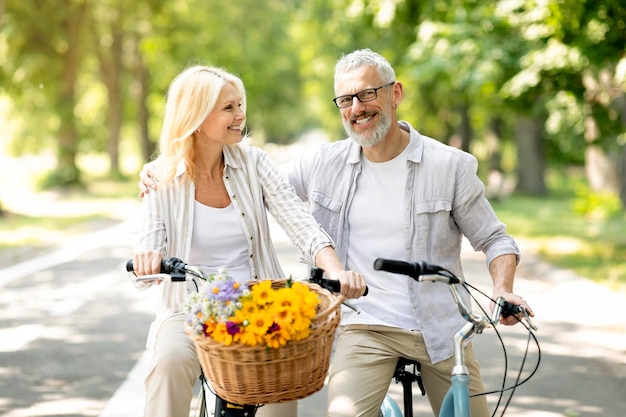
<point>210,210</point>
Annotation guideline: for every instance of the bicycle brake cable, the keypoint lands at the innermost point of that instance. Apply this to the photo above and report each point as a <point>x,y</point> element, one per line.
<point>517,383</point>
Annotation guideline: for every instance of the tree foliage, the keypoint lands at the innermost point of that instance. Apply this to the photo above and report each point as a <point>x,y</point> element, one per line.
<point>525,83</point>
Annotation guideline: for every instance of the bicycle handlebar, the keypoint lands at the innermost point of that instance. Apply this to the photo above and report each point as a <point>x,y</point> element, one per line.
<point>167,265</point>
<point>414,269</point>
<point>177,270</point>
<point>423,271</point>
<point>173,269</point>
<point>331,285</point>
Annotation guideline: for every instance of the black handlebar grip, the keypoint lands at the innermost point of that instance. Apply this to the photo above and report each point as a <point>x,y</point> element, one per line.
<point>167,265</point>
<point>333,284</point>
<point>509,309</point>
<point>412,269</point>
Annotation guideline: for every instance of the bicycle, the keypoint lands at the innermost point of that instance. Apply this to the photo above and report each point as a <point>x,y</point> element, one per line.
<point>456,401</point>
<point>176,270</point>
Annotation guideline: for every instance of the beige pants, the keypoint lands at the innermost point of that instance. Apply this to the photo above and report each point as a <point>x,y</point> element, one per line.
<point>174,371</point>
<point>363,365</point>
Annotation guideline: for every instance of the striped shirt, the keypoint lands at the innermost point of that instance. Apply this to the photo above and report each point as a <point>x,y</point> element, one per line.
<point>255,186</point>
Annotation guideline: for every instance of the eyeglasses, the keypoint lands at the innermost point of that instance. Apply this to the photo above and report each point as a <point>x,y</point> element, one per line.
<point>363,96</point>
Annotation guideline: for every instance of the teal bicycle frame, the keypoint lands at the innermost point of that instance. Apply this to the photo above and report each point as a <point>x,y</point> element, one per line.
<point>456,402</point>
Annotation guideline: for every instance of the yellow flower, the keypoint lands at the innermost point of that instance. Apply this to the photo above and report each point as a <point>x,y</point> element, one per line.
<point>302,334</point>
<point>262,293</point>
<point>277,338</point>
<point>248,338</point>
<point>259,323</point>
<point>285,307</point>
<point>209,327</point>
<point>221,335</point>
<point>259,314</point>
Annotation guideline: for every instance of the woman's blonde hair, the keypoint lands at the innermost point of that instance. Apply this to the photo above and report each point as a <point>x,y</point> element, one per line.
<point>191,97</point>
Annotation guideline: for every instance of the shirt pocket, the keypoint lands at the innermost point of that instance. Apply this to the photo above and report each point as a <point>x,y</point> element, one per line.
<point>327,211</point>
<point>433,206</point>
<point>326,201</point>
<point>434,221</point>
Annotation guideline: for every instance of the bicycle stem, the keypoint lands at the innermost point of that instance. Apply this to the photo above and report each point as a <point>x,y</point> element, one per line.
<point>476,324</point>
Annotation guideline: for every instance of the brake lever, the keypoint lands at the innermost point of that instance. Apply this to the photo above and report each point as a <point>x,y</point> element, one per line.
<point>509,309</point>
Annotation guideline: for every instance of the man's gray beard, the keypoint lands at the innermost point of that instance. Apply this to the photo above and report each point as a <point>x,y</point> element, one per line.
<point>370,138</point>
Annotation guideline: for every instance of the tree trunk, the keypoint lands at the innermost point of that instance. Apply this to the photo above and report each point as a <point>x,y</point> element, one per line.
<point>600,169</point>
<point>492,139</point>
<point>111,67</point>
<point>3,4</point>
<point>498,186</point>
<point>620,103</point>
<point>141,91</point>
<point>621,169</point>
<point>116,102</point>
<point>67,170</point>
<point>530,157</point>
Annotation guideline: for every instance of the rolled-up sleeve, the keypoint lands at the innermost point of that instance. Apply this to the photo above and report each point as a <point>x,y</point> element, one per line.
<point>475,215</point>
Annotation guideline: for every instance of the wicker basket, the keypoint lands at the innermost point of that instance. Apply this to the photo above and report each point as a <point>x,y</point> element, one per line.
<point>260,375</point>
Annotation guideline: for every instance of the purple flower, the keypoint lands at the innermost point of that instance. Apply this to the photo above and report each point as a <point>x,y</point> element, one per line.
<point>232,328</point>
<point>273,328</point>
<point>226,291</point>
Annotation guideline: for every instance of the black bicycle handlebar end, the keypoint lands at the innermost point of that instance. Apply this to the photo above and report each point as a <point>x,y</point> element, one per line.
<point>168,265</point>
<point>412,269</point>
<point>509,309</point>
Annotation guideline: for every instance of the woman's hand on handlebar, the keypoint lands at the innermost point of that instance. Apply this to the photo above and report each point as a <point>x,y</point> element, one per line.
<point>352,283</point>
<point>147,263</point>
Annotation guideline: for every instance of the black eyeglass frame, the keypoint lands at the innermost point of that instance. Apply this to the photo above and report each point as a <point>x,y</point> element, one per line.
<point>367,90</point>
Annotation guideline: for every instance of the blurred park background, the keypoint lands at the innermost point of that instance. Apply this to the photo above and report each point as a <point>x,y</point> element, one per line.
<point>536,89</point>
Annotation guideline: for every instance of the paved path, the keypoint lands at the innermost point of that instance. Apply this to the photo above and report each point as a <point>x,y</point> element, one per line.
<point>71,340</point>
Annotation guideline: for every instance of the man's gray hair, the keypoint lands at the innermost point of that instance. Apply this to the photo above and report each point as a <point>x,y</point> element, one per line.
<point>366,57</point>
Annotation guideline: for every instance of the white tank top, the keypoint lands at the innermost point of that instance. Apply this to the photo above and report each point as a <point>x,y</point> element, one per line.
<point>218,241</point>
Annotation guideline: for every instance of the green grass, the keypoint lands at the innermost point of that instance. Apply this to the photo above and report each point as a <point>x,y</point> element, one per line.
<point>591,245</point>
<point>66,213</point>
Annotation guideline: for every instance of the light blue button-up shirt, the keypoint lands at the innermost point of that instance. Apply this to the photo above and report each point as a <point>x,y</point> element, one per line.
<point>444,200</point>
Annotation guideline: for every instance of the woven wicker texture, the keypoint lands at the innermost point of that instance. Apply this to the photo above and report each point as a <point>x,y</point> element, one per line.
<point>260,375</point>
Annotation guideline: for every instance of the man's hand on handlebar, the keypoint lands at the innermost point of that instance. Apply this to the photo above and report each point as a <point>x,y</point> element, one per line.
<point>517,301</point>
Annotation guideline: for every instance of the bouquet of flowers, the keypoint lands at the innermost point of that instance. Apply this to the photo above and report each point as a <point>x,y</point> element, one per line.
<point>257,314</point>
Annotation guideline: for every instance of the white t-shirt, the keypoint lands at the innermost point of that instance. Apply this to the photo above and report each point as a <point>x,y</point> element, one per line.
<point>376,220</point>
<point>218,241</point>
